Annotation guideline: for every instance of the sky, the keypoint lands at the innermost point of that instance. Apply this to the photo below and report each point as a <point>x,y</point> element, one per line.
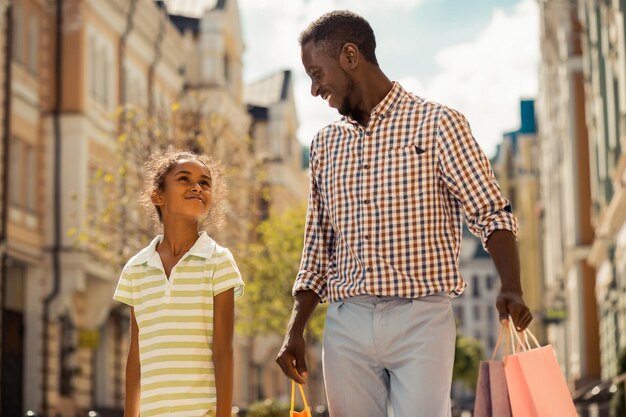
<point>480,58</point>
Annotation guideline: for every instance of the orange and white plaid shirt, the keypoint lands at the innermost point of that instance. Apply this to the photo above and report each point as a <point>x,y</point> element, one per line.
<point>386,202</point>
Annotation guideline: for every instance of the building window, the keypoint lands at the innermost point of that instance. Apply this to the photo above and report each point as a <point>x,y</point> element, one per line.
<point>489,283</point>
<point>33,45</point>
<point>23,172</point>
<point>93,64</point>
<point>97,73</point>
<point>105,78</point>
<point>475,287</point>
<point>18,32</point>
<point>458,312</point>
<point>491,343</point>
<point>30,179</point>
<point>226,67</point>
<point>15,172</point>
<point>101,74</point>
<point>476,311</point>
<point>99,56</point>
<point>289,146</point>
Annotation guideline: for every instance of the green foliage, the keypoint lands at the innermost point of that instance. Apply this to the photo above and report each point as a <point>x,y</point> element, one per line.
<point>467,356</point>
<point>268,408</point>
<point>269,268</point>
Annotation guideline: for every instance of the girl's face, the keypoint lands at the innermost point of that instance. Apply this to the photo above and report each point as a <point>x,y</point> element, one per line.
<point>186,192</point>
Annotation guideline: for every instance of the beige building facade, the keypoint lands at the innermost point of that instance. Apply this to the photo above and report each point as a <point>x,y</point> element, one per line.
<point>517,169</point>
<point>604,69</point>
<point>22,214</point>
<point>271,104</point>
<point>571,309</point>
<point>64,341</point>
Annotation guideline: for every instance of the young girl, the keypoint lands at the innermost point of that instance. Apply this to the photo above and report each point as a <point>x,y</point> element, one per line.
<point>181,290</point>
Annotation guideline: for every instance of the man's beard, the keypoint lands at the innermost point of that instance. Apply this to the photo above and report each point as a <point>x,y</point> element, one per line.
<point>345,109</point>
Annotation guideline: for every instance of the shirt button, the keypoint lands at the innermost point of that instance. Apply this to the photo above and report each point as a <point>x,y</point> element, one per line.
<point>369,269</point>
<point>368,133</point>
<point>366,201</point>
<point>366,166</point>
<point>367,237</point>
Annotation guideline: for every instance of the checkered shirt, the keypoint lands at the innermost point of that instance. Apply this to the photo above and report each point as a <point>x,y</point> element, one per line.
<point>386,202</point>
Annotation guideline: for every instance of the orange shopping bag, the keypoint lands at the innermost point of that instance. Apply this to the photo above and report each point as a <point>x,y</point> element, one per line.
<point>534,380</point>
<point>304,413</point>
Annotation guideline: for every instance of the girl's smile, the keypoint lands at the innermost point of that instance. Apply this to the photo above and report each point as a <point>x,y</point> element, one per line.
<point>189,181</point>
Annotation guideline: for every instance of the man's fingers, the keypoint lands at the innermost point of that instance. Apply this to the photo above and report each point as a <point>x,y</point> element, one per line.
<point>524,321</point>
<point>519,312</point>
<point>288,365</point>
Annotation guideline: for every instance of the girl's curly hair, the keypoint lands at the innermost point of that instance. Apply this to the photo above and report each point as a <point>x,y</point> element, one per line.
<point>160,164</point>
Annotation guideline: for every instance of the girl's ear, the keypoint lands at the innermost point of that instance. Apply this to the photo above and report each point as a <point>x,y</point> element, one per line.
<point>157,198</point>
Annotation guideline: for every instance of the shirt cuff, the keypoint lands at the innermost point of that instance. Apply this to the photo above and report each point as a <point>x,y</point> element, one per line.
<point>501,221</point>
<point>306,280</point>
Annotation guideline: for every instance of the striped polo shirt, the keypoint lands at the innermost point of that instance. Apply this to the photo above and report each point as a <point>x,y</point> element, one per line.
<point>387,202</point>
<point>175,319</point>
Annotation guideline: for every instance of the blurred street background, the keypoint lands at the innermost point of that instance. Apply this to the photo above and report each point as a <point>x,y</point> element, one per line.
<point>89,88</point>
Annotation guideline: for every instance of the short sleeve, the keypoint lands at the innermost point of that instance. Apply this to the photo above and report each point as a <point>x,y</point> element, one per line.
<point>226,274</point>
<point>124,292</point>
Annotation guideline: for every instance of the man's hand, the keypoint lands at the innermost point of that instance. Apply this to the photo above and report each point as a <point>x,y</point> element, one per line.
<point>510,303</point>
<point>291,358</point>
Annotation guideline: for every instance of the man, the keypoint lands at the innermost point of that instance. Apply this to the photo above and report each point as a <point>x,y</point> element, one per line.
<point>390,184</point>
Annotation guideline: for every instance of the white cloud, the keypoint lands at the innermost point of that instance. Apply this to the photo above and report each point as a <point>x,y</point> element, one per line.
<point>485,78</point>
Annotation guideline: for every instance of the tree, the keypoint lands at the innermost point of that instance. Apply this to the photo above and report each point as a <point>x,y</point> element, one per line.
<point>467,356</point>
<point>114,228</point>
<point>270,266</point>
<point>268,408</point>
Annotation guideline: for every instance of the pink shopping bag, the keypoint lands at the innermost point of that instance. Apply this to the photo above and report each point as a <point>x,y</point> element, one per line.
<point>492,398</point>
<point>535,383</point>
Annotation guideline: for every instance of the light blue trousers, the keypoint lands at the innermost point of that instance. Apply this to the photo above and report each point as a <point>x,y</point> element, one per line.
<point>386,350</point>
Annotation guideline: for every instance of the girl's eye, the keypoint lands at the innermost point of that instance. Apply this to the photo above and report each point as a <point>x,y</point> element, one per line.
<point>205,183</point>
<point>183,178</point>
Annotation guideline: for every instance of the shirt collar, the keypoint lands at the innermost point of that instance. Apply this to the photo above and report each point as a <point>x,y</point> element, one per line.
<point>386,105</point>
<point>204,248</point>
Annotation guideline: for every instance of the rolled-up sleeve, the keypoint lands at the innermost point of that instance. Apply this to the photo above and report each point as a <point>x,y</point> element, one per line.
<point>318,237</point>
<point>467,173</point>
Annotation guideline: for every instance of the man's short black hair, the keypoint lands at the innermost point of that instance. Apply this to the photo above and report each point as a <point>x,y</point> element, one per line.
<point>334,29</point>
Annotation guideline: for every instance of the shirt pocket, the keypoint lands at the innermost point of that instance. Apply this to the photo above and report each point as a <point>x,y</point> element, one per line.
<point>407,173</point>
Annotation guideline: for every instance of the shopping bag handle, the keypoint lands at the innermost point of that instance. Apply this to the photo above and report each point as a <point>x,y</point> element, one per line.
<point>522,341</point>
<point>293,396</point>
<point>508,349</point>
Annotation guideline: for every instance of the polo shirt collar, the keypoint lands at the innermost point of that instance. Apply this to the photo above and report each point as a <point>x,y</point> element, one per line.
<point>204,248</point>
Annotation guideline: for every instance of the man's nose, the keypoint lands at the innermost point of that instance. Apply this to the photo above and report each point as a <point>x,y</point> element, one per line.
<point>315,89</point>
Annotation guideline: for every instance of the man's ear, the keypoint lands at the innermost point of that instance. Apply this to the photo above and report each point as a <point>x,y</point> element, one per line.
<point>157,198</point>
<point>350,55</point>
